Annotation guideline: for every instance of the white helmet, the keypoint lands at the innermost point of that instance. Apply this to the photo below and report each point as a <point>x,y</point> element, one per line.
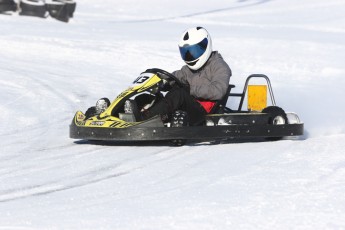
<point>195,47</point>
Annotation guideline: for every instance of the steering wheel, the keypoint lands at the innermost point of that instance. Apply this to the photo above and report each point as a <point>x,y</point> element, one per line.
<point>165,75</point>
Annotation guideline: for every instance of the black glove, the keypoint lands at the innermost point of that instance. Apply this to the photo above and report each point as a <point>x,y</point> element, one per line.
<point>165,85</point>
<point>90,112</point>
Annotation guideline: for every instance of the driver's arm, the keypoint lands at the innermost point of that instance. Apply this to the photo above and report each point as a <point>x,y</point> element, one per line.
<point>180,74</point>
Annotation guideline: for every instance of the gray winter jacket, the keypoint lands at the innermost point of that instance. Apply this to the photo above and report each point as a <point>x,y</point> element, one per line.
<point>210,82</point>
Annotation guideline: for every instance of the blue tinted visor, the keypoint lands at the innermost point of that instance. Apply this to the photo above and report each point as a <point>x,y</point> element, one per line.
<point>193,52</point>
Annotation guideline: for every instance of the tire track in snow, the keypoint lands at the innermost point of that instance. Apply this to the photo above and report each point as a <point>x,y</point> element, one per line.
<point>38,190</point>
<point>85,178</point>
<point>42,88</point>
<point>162,184</point>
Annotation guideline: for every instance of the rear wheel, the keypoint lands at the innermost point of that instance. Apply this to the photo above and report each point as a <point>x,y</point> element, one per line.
<point>277,116</point>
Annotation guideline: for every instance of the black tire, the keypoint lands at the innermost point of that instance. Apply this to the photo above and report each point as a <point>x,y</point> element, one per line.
<point>7,5</point>
<point>33,8</point>
<point>7,2</point>
<point>61,10</point>
<point>277,116</point>
<point>71,6</point>
<point>58,10</point>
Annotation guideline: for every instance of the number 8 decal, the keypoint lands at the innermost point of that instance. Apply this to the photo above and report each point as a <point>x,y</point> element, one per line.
<point>141,79</point>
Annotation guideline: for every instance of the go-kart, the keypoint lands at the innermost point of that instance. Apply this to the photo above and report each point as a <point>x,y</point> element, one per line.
<point>110,121</point>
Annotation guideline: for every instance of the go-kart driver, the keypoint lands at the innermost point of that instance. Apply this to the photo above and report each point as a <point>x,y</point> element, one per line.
<point>205,76</point>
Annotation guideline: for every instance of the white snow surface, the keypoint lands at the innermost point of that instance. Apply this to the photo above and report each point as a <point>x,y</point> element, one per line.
<point>50,69</point>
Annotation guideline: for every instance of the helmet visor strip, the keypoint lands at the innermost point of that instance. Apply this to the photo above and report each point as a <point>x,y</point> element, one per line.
<point>193,52</point>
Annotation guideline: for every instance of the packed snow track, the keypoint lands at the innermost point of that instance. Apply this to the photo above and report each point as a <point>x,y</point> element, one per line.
<point>50,69</point>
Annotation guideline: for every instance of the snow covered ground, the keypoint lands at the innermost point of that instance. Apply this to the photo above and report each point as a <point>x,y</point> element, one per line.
<point>49,70</point>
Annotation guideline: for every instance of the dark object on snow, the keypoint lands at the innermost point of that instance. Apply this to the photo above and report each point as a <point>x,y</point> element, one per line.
<point>71,6</point>
<point>58,10</point>
<point>7,5</point>
<point>61,10</point>
<point>35,8</point>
